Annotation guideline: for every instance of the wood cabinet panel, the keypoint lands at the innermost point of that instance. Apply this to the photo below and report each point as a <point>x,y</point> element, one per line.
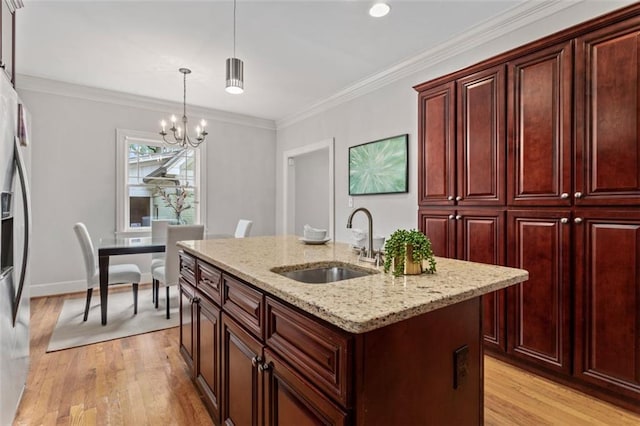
<point>187,322</point>
<point>207,371</point>
<point>539,127</point>
<point>439,227</point>
<point>607,82</point>
<point>210,281</point>
<point>291,400</point>
<point>245,304</point>
<point>188,267</point>
<point>320,353</point>
<point>242,382</point>
<point>481,138</point>
<point>540,308</point>
<point>436,147</point>
<point>608,299</point>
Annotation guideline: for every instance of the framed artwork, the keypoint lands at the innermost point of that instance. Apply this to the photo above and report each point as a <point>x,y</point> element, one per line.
<point>379,167</point>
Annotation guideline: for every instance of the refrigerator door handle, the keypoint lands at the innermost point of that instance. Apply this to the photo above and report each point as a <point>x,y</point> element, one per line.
<point>24,187</point>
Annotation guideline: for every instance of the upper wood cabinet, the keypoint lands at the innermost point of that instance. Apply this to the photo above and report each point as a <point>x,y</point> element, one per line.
<point>539,127</point>
<point>480,145</point>
<point>7,40</point>
<point>607,80</point>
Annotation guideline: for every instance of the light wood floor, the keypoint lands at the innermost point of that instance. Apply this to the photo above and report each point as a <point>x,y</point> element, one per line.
<point>142,380</point>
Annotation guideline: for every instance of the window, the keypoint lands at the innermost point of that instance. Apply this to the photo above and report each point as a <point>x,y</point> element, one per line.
<point>156,181</point>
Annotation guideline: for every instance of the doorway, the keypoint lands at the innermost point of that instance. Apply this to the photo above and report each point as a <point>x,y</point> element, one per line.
<point>308,188</point>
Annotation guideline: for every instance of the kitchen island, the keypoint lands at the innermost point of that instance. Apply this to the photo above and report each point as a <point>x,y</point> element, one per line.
<point>377,349</point>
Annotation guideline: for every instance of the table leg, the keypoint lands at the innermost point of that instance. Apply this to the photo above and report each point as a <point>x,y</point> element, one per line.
<point>103,262</point>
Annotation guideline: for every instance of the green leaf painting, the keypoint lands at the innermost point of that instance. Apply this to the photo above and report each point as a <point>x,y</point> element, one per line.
<point>378,167</point>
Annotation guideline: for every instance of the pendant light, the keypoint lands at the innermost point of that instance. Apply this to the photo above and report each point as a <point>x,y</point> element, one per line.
<point>235,67</point>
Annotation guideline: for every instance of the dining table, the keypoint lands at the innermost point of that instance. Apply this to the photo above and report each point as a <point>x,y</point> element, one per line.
<point>116,246</point>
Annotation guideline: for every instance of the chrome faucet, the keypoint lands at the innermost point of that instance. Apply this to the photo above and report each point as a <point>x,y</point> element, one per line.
<point>369,255</point>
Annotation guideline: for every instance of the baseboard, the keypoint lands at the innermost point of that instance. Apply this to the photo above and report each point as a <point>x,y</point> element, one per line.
<point>64,287</point>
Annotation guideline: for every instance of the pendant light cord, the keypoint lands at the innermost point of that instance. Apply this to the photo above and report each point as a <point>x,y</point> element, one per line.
<point>184,97</point>
<point>234,28</point>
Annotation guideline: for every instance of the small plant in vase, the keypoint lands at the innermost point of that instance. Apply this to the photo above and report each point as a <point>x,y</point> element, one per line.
<point>404,252</point>
<point>175,198</point>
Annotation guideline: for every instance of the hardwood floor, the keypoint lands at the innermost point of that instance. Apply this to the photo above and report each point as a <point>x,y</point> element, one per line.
<point>142,380</point>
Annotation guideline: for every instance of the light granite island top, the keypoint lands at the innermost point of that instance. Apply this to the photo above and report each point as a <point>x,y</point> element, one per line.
<point>356,305</point>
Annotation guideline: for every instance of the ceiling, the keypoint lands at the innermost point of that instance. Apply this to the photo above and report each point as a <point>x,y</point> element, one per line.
<point>295,53</point>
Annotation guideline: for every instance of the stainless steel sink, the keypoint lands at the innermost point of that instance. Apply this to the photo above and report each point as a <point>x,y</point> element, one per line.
<point>323,273</point>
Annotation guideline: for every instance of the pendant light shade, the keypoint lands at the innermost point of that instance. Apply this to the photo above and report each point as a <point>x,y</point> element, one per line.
<point>235,76</point>
<point>235,67</point>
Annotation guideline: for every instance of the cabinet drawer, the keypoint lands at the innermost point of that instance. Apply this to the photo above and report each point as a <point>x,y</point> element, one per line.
<point>244,304</point>
<point>209,281</point>
<point>318,352</point>
<point>188,267</point>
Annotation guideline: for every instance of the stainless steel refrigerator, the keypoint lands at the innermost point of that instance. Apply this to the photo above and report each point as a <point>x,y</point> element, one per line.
<point>14,250</point>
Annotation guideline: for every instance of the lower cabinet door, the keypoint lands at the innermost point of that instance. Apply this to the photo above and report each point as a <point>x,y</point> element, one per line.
<point>187,328</point>
<point>291,400</point>
<point>207,360</point>
<point>242,391</point>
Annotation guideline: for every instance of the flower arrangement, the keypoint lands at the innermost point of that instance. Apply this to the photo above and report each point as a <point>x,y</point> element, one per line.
<point>175,198</point>
<point>412,242</point>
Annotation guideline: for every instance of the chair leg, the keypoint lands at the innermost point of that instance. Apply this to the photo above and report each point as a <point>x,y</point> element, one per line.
<point>153,291</point>
<point>135,298</point>
<point>86,307</point>
<point>168,316</point>
<point>156,287</point>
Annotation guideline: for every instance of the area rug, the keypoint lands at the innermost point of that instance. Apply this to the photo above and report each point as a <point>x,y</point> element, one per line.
<point>70,331</point>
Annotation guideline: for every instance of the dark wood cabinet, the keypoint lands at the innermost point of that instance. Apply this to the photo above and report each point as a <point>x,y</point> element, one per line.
<point>292,400</point>
<point>539,127</point>
<point>187,322</point>
<point>608,299</point>
<point>607,171</point>
<point>207,360</point>
<point>476,235</point>
<point>480,118</point>
<point>539,312</point>
<point>437,182</point>
<point>7,40</point>
<point>242,364</point>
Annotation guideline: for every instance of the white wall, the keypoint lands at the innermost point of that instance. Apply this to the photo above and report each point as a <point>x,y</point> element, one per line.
<point>74,177</point>
<point>392,110</point>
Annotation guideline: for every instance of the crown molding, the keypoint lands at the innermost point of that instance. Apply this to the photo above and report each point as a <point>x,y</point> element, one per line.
<point>70,90</point>
<point>514,18</point>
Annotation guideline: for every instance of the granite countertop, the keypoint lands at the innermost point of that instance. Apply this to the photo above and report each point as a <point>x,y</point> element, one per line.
<point>357,305</point>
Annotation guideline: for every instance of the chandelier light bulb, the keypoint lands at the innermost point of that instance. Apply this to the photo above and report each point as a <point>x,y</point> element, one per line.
<point>379,10</point>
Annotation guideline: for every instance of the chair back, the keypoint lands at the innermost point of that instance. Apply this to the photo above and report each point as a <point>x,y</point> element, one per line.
<point>88,252</point>
<point>244,228</point>
<point>159,232</point>
<point>177,233</point>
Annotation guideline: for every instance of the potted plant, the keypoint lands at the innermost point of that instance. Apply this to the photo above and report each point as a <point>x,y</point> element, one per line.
<point>406,250</point>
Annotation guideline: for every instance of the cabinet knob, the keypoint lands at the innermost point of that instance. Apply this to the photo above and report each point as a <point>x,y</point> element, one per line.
<point>451,217</point>
<point>263,367</point>
<point>564,195</point>
<point>577,220</point>
<point>458,217</point>
<point>450,198</point>
<point>195,300</point>
<point>578,194</point>
<point>564,220</point>
<point>458,198</point>
<point>256,361</point>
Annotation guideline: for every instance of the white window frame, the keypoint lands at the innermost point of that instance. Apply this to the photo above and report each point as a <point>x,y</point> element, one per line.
<point>125,137</point>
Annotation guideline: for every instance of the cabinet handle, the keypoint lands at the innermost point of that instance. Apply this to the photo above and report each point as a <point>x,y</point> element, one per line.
<point>564,195</point>
<point>195,300</point>
<point>458,198</point>
<point>450,198</point>
<point>577,220</point>
<point>256,361</point>
<point>263,367</point>
<point>564,220</point>
<point>451,217</point>
<point>458,217</point>
<point>578,194</point>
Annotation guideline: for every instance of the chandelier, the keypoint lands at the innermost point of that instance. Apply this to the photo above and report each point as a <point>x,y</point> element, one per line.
<point>181,134</point>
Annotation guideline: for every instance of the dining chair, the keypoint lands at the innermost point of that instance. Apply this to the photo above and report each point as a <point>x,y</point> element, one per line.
<point>167,275</point>
<point>118,274</point>
<point>158,232</point>
<point>243,228</point>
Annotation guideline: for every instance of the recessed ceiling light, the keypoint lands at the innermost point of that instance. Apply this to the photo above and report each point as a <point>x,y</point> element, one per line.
<point>379,10</point>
